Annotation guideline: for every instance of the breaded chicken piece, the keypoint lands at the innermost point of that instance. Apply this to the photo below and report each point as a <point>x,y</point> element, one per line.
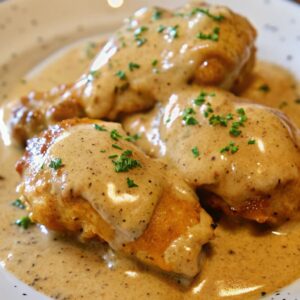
<point>244,157</point>
<point>154,53</point>
<point>274,86</point>
<point>84,177</point>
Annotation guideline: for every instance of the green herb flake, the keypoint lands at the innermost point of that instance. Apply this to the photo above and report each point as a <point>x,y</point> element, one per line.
<point>19,204</point>
<point>99,128</point>
<point>132,138</point>
<point>297,101</point>
<point>188,118</point>
<point>264,88</point>
<point>121,74</point>
<point>173,31</point>
<point>131,183</point>
<point>56,163</point>
<point>208,110</point>
<point>230,148</point>
<point>202,98</point>
<point>132,66</point>
<point>235,126</point>
<point>229,116</point>
<point>234,130</point>
<point>154,62</point>
<point>103,151</point>
<point>251,141</point>
<point>214,36</point>
<point>116,146</point>
<point>140,30</point>
<point>161,28</point>
<point>115,135</point>
<point>125,162</point>
<point>24,222</point>
<point>140,41</point>
<point>113,156</point>
<point>157,14</point>
<point>138,36</point>
<point>217,18</point>
<point>195,152</point>
<point>218,120</point>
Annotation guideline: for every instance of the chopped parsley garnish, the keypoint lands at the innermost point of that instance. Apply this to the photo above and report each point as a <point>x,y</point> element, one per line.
<point>188,118</point>
<point>131,183</point>
<point>217,120</point>
<point>24,222</point>
<point>234,130</point>
<point>113,156</point>
<point>132,66</point>
<point>154,62</point>
<point>56,163</point>
<point>116,146</point>
<point>103,151</point>
<point>90,50</point>
<point>264,88</point>
<point>156,14</point>
<point>132,138</point>
<point>202,97</point>
<point>214,36</point>
<point>195,151</point>
<point>125,162</point>
<point>138,36</point>
<point>161,28</point>
<point>18,203</point>
<point>251,141</point>
<point>99,128</point>
<point>140,30</point>
<point>140,41</point>
<point>229,116</point>
<point>173,31</point>
<point>235,126</point>
<point>121,74</point>
<point>242,115</point>
<point>115,135</point>
<point>206,12</point>
<point>208,110</point>
<point>230,148</point>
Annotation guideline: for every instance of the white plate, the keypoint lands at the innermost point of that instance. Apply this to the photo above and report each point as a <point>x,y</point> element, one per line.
<point>42,27</point>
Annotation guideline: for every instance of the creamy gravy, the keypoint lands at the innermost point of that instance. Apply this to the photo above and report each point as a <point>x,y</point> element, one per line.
<point>276,87</point>
<point>243,261</point>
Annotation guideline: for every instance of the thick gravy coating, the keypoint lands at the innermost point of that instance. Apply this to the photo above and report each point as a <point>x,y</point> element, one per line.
<point>276,87</point>
<point>244,261</point>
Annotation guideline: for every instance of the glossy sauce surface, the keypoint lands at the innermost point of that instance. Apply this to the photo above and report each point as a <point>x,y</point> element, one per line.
<point>274,86</point>
<point>243,260</point>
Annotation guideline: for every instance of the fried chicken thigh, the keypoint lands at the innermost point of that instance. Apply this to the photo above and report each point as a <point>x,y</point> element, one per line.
<point>244,156</point>
<point>84,177</point>
<point>152,54</point>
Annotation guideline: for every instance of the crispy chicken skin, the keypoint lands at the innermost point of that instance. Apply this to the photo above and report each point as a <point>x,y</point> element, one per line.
<point>248,160</point>
<point>71,183</point>
<point>155,52</point>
